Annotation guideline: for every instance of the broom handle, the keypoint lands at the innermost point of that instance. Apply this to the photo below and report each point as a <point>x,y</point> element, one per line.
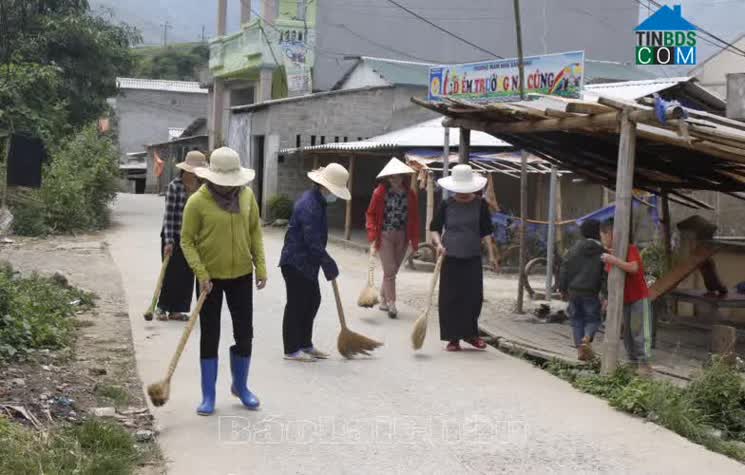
<point>159,284</point>
<point>371,267</point>
<point>433,282</point>
<point>185,335</point>
<point>339,308</point>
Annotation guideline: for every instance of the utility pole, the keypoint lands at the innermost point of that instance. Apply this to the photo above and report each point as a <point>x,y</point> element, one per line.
<point>523,169</point>
<point>166,26</point>
<point>218,88</point>
<point>204,35</point>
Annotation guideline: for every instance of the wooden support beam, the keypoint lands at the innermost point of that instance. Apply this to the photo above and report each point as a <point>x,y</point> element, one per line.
<point>430,205</point>
<point>549,125</point>
<point>523,231</point>
<point>348,216</point>
<point>667,230</point>
<point>591,108</point>
<point>464,149</point>
<point>621,233</point>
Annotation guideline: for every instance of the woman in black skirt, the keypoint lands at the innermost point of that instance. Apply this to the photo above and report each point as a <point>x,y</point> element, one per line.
<point>460,226</point>
<point>178,285</point>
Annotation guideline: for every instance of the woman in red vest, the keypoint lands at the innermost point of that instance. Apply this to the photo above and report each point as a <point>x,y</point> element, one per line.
<point>393,224</point>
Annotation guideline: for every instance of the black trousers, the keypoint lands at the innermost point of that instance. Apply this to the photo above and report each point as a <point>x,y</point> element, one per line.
<point>303,301</point>
<point>239,294</point>
<point>178,284</point>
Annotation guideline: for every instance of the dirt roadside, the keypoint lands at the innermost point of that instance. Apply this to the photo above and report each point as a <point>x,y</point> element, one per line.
<point>99,370</point>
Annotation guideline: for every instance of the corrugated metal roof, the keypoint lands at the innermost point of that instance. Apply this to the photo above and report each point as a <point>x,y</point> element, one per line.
<point>424,135</point>
<point>160,85</point>
<point>404,73</point>
<point>631,90</point>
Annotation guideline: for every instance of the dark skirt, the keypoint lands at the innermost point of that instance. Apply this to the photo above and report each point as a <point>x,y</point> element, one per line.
<point>178,284</point>
<point>461,297</point>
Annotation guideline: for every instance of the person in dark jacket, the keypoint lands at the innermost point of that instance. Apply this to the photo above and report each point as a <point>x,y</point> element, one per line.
<point>303,255</point>
<point>580,281</point>
<point>178,285</point>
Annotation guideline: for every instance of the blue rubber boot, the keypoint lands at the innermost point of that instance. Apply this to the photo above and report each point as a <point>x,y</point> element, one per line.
<point>209,378</point>
<point>239,366</point>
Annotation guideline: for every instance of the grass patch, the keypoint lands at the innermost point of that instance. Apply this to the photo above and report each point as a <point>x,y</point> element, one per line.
<point>36,312</point>
<point>106,393</point>
<point>709,411</point>
<point>94,447</point>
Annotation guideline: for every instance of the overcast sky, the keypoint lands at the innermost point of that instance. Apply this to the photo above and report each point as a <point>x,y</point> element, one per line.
<point>725,18</point>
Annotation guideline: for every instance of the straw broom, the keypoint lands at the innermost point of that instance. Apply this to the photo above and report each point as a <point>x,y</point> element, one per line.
<point>420,327</point>
<point>350,343</point>
<point>159,392</point>
<point>156,295</point>
<point>369,295</point>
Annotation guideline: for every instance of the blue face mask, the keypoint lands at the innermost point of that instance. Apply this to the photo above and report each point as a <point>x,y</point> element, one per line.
<point>330,198</point>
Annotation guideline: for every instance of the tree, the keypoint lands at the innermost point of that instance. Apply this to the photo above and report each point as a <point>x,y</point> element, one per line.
<point>71,58</point>
<point>179,62</point>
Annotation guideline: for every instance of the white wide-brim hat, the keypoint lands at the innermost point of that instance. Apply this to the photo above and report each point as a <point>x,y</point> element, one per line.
<point>225,169</point>
<point>334,178</point>
<point>194,159</point>
<point>463,180</point>
<point>395,167</point>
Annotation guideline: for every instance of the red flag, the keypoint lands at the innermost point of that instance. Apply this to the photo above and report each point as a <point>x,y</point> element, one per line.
<point>159,164</point>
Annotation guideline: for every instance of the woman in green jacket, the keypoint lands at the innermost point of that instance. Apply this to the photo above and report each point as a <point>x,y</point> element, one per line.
<point>222,240</point>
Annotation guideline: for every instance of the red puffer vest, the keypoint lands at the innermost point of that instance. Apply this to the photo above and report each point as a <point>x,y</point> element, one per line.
<point>375,217</point>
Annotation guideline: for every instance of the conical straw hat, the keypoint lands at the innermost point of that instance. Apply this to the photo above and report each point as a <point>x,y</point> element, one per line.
<point>395,167</point>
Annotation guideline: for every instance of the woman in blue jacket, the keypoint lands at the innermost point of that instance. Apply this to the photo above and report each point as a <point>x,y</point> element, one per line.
<point>303,255</point>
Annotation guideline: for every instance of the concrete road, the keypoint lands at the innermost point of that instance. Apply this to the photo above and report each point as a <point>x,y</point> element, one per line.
<point>397,412</point>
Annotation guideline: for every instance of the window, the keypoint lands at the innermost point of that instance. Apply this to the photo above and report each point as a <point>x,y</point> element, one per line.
<point>336,139</point>
<point>298,141</point>
<point>346,139</point>
<point>312,140</point>
<point>302,10</point>
<point>323,139</point>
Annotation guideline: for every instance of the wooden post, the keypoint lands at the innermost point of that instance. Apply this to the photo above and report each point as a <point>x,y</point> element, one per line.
<point>621,232</point>
<point>551,240</point>
<point>316,163</point>
<point>523,230</point>
<point>667,230</point>
<point>464,149</point>
<point>348,217</point>
<point>445,158</point>
<point>430,205</point>
<point>559,217</point>
<point>523,167</point>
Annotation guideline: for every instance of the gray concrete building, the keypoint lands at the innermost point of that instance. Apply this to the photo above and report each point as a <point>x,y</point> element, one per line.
<point>259,131</point>
<point>146,110</point>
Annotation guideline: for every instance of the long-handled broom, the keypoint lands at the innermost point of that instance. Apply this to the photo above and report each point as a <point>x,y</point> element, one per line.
<point>350,343</point>
<point>156,295</point>
<point>160,391</point>
<point>369,295</point>
<point>420,326</point>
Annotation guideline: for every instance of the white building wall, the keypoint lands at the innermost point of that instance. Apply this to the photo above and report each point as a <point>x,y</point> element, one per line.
<point>713,72</point>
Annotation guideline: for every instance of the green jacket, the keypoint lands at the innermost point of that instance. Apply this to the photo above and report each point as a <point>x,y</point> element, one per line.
<point>222,245</point>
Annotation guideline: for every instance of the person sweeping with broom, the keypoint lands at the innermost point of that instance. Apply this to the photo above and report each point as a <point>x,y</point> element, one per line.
<point>223,243</point>
<point>460,226</point>
<point>303,255</point>
<point>393,225</point>
<point>178,282</point>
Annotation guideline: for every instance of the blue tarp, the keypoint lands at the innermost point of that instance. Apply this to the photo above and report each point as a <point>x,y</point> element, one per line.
<point>608,212</point>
